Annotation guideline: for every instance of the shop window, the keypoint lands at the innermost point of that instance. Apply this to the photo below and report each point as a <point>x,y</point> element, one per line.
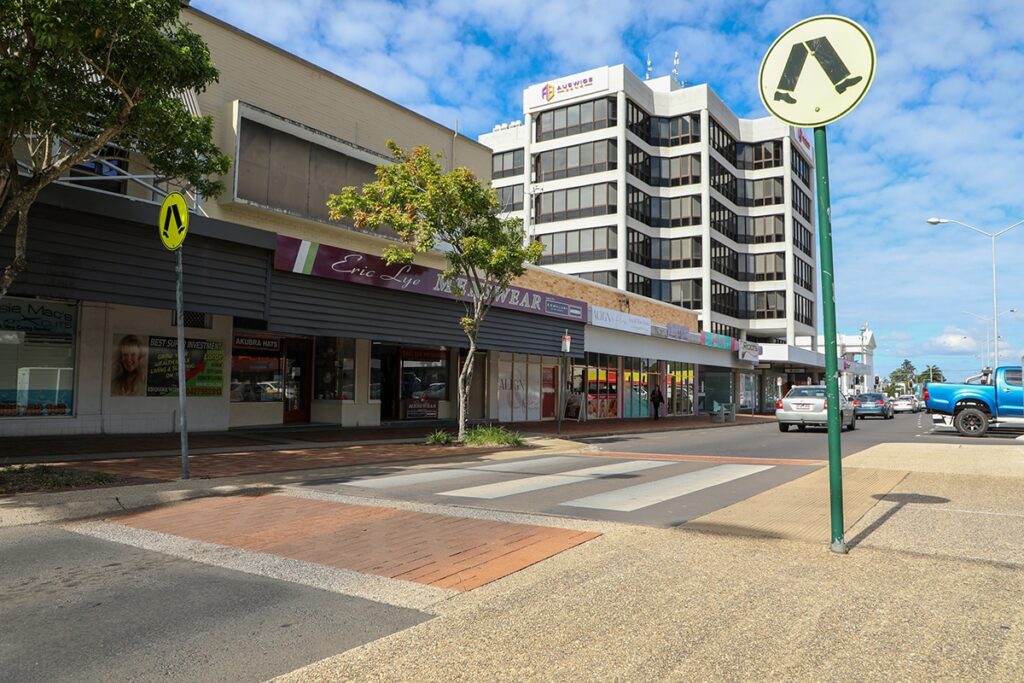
<point>335,368</point>
<point>37,357</point>
<point>257,369</point>
<point>425,374</point>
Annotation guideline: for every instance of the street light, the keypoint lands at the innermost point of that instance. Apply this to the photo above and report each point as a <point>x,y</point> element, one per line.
<point>992,236</point>
<point>987,320</point>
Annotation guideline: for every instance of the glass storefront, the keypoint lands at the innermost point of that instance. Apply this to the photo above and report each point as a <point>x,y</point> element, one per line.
<point>335,369</point>
<point>639,377</point>
<point>717,387</point>
<point>409,382</point>
<point>37,357</point>
<point>257,369</point>
<point>678,388</point>
<point>598,380</point>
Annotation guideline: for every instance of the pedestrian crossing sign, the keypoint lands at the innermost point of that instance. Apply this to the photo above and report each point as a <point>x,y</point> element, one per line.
<point>817,71</point>
<point>173,221</point>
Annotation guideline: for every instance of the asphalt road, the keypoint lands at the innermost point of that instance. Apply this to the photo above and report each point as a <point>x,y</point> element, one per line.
<point>766,441</point>
<point>77,608</point>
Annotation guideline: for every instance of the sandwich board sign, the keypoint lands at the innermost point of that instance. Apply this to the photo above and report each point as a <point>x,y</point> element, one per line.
<point>817,71</point>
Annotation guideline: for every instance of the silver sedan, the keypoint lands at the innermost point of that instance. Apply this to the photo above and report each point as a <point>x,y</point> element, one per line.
<point>807,406</point>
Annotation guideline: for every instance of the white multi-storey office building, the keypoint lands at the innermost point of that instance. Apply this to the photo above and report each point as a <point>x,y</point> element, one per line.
<point>659,189</point>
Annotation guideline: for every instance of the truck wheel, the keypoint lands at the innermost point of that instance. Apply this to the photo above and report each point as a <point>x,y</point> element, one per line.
<point>971,422</point>
<point>783,427</point>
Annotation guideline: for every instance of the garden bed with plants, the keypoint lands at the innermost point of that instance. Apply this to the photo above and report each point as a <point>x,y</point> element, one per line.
<point>484,436</point>
<point>28,478</point>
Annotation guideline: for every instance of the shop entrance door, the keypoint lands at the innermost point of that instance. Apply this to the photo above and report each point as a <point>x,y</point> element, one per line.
<point>548,392</point>
<point>297,379</point>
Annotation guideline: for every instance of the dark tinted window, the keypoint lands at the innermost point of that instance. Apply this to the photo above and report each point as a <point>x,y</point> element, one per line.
<point>807,392</point>
<point>872,397</point>
<point>1013,377</point>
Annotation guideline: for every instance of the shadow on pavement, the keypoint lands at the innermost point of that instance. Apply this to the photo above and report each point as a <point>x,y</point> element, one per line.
<point>901,500</point>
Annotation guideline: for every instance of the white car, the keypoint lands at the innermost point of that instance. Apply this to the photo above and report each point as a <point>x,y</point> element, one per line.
<point>904,404</point>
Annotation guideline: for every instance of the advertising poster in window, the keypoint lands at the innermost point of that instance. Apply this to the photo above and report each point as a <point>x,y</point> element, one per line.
<point>148,366</point>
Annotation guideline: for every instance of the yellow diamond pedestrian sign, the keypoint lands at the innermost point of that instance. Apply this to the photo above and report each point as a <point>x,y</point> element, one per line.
<point>173,222</point>
<point>817,71</point>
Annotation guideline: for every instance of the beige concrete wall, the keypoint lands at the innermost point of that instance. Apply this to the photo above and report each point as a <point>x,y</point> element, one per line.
<point>598,295</point>
<point>264,76</point>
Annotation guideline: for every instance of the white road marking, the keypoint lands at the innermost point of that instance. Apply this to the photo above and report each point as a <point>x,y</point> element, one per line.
<point>547,481</point>
<point>442,474</point>
<point>644,495</point>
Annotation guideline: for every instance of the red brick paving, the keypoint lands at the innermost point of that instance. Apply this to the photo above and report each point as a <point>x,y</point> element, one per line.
<point>257,462</point>
<point>437,550</point>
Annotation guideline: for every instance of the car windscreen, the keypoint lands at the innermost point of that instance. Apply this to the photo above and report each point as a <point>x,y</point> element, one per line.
<point>872,397</point>
<point>807,392</point>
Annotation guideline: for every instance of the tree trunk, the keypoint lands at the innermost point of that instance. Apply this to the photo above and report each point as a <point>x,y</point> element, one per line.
<point>20,256</point>
<point>465,381</point>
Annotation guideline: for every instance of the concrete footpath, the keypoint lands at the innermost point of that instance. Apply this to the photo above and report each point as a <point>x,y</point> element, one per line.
<point>933,586</point>
<point>932,589</point>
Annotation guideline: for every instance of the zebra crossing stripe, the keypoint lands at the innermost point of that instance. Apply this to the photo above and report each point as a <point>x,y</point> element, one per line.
<point>640,496</point>
<point>444,474</point>
<point>547,481</point>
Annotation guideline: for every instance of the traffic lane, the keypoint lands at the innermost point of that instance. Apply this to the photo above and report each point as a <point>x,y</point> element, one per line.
<point>79,608</point>
<point>764,440</point>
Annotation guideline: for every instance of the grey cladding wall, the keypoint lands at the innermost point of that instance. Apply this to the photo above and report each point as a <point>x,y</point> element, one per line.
<point>302,304</point>
<point>74,255</point>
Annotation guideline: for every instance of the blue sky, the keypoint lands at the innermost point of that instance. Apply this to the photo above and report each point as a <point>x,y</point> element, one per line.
<point>940,133</point>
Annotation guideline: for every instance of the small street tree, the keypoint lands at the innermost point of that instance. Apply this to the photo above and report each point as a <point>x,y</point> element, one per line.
<point>429,208</point>
<point>79,75</point>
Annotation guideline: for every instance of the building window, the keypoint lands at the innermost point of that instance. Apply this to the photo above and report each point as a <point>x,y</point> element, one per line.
<point>506,164</point>
<point>576,202</point>
<point>801,167</point>
<point>663,171</point>
<point>654,252</point>
<point>106,170</point>
<point>804,310</point>
<point>510,198</point>
<point>727,330</point>
<point>754,156</point>
<point>725,300</point>
<point>721,141</point>
<point>663,212</point>
<point>723,181</point>
<point>762,192</point>
<point>569,162</point>
<point>663,131</point>
<point>257,369</point>
<point>803,239</point>
<point>803,273</point>
<point>598,382</point>
<point>573,246</point>
<point>770,266</point>
<point>769,304</point>
<point>685,293</point>
<point>638,284</point>
<point>335,369</point>
<point>37,357</point>
<point>725,260</point>
<point>801,202</point>
<point>576,118</point>
<point>604,277</point>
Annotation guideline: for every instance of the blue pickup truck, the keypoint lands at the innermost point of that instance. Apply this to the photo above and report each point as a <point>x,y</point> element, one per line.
<point>973,408</point>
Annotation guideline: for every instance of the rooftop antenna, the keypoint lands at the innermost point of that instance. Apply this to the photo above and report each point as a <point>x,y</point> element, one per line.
<point>649,68</point>
<point>675,66</point>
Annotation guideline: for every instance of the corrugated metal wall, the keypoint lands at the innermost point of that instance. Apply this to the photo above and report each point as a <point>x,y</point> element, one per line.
<point>301,304</point>
<point>75,255</point>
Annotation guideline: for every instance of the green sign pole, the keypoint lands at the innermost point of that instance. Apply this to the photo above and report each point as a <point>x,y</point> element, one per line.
<point>828,309</point>
<point>182,396</point>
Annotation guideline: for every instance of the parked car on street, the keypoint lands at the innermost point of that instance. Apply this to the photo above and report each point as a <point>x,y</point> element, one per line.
<point>806,406</point>
<point>904,404</point>
<point>973,409</point>
<point>873,405</point>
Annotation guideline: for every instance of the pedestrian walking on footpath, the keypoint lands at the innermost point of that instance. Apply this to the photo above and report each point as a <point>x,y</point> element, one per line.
<point>657,399</point>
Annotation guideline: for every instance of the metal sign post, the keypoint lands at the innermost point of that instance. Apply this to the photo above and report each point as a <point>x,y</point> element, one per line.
<point>814,74</point>
<point>173,227</point>
<point>563,380</point>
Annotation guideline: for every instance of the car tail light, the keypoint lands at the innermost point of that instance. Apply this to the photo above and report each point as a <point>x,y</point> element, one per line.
<point>879,403</point>
<point>925,394</point>
<point>778,404</point>
<point>825,407</point>
<point>856,403</point>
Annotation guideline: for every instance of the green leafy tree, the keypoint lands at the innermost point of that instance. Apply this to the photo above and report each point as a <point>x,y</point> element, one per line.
<point>429,208</point>
<point>901,378</point>
<point>79,75</point>
<point>931,373</point>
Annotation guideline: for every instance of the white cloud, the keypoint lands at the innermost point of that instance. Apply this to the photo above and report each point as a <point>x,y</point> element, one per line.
<point>953,341</point>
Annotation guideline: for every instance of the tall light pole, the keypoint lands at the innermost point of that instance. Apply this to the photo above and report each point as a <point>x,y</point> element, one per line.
<point>995,306</point>
<point>987,320</point>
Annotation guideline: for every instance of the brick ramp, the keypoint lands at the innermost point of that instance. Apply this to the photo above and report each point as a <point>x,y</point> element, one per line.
<point>436,550</point>
<point>800,509</point>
